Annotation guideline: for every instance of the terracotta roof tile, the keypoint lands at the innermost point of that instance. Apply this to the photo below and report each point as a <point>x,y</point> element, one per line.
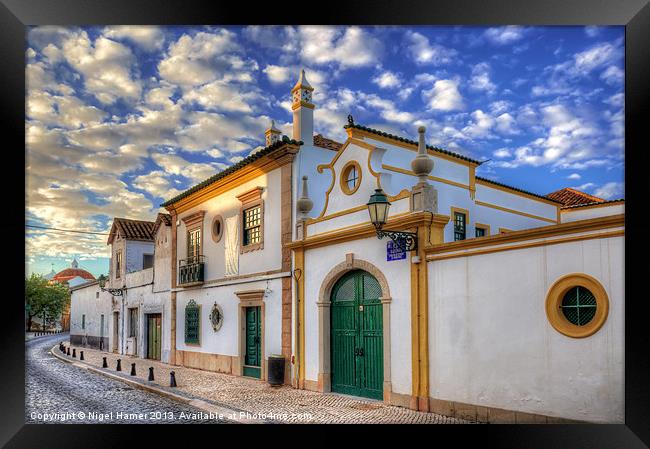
<point>573,197</point>
<point>324,142</point>
<point>131,229</point>
<point>161,219</point>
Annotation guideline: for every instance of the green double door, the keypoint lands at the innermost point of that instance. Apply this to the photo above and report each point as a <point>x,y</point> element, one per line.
<point>154,336</point>
<point>253,356</point>
<point>357,345</point>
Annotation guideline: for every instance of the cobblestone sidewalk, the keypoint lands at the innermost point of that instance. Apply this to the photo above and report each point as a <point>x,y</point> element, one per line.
<point>283,404</point>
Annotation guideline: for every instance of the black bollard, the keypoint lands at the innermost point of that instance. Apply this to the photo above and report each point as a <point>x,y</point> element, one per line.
<point>133,369</point>
<point>119,365</point>
<point>68,351</point>
<point>81,356</point>
<point>104,364</point>
<point>74,352</point>
<point>150,374</point>
<point>172,379</point>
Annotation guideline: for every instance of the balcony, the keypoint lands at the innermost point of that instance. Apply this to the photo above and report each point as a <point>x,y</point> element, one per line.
<point>191,271</point>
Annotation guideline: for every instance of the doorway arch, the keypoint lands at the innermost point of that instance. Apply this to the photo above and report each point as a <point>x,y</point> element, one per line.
<point>324,321</point>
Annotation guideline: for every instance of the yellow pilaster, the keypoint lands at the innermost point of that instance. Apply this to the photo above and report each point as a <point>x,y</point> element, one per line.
<point>299,261</point>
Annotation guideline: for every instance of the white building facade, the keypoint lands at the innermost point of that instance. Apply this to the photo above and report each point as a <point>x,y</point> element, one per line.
<point>506,307</point>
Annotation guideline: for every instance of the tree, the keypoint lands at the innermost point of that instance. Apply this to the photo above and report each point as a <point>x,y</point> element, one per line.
<point>43,299</point>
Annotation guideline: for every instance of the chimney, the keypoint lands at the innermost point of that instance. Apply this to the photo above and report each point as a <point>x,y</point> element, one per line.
<point>303,110</point>
<point>272,134</point>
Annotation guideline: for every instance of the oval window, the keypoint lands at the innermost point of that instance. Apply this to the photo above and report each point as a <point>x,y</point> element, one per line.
<point>350,177</point>
<point>217,228</point>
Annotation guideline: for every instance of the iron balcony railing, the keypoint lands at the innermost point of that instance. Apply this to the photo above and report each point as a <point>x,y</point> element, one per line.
<point>191,270</point>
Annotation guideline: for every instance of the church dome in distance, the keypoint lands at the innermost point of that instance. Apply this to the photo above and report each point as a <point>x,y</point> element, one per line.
<point>72,272</point>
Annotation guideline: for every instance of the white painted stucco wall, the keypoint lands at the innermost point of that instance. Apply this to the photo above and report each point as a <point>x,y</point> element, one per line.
<point>319,262</point>
<point>491,343</point>
<point>85,301</point>
<point>135,250</point>
<point>227,205</point>
<point>585,213</point>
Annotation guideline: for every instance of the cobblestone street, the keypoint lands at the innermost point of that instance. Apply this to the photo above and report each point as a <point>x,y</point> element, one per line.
<point>284,404</point>
<point>55,387</point>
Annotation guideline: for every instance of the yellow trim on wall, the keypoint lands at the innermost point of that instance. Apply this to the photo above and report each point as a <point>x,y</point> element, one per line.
<point>432,178</point>
<point>338,154</point>
<point>472,181</point>
<point>592,206</point>
<point>512,211</point>
<point>556,294</point>
<point>400,196</point>
<point>572,227</point>
<point>504,230</point>
<point>516,192</point>
<point>361,134</point>
<point>344,175</point>
<point>363,230</point>
<point>478,252</point>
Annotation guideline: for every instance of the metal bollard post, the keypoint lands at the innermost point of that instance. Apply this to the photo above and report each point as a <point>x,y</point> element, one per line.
<point>133,369</point>
<point>119,365</point>
<point>74,352</point>
<point>68,351</point>
<point>172,379</point>
<point>104,364</point>
<point>82,355</point>
<point>150,379</point>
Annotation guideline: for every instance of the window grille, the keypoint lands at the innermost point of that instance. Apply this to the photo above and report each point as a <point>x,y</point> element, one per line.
<point>579,306</point>
<point>192,322</point>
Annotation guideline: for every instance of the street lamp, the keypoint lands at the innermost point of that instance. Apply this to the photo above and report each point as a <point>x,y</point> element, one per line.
<point>112,291</point>
<point>378,209</point>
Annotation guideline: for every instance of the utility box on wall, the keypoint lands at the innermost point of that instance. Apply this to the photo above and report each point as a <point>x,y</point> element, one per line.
<point>131,346</point>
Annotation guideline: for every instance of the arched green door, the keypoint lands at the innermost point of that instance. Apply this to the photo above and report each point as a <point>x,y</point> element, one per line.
<point>357,345</point>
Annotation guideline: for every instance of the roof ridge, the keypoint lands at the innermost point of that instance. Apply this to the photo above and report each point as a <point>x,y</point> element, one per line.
<point>409,141</point>
<point>518,189</point>
<point>233,168</point>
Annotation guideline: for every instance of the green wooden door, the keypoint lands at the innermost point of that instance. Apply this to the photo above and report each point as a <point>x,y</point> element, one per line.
<point>154,336</point>
<point>253,356</point>
<point>357,345</point>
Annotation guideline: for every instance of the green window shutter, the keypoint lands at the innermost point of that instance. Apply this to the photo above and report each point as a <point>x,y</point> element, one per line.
<point>192,322</point>
<point>459,226</point>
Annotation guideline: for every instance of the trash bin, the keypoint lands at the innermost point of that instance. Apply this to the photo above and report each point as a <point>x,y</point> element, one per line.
<point>276,370</point>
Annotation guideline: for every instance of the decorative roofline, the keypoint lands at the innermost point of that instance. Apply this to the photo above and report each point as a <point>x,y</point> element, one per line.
<point>353,125</point>
<point>543,197</point>
<point>233,168</point>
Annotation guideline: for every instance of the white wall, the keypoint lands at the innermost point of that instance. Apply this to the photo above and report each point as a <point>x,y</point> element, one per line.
<point>491,343</point>
<point>227,205</point>
<point>226,340</point>
<point>84,301</point>
<point>585,213</point>
<point>319,262</point>
<point>134,252</point>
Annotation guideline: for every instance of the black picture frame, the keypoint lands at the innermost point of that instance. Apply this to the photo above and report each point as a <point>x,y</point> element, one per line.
<point>16,15</point>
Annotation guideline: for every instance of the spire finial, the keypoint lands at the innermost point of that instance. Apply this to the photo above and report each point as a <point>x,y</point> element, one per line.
<point>422,164</point>
<point>304,204</point>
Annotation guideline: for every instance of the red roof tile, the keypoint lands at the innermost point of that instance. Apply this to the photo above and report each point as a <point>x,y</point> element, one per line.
<point>131,229</point>
<point>573,197</point>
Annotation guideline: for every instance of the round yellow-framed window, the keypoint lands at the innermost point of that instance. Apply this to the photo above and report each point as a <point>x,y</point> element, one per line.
<point>577,305</point>
<point>350,177</point>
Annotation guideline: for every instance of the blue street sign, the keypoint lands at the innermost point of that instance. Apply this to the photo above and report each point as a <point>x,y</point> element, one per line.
<point>394,252</point>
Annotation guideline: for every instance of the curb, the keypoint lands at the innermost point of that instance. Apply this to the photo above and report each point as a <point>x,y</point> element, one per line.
<point>196,403</point>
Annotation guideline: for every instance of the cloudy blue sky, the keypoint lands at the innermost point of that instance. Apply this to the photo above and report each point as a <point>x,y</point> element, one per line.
<point>121,118</point>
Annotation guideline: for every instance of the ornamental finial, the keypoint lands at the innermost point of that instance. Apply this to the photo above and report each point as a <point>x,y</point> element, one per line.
<point>350,120</point>
<point>422,164</point>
